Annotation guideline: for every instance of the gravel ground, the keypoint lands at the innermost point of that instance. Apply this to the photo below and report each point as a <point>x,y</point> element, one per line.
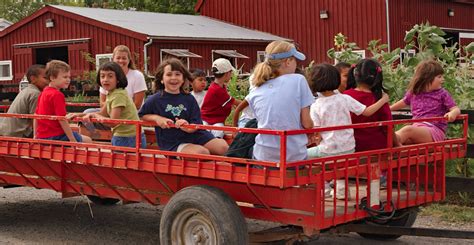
<point>29,216</point>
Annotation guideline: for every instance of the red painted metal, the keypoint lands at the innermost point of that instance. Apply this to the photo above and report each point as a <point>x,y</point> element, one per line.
<point>292,193</point>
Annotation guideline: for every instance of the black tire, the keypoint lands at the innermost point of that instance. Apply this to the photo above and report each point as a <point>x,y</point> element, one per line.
<point>205,214</point>
<point>406,218</point>
<point>103,201</point>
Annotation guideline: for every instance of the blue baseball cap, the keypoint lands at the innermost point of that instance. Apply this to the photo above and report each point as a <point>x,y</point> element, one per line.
<point>292,53</point>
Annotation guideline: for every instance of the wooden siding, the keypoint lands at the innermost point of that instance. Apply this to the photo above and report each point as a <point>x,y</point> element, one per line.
<point>360,20</point>
<point>404,14</point>
<point>204,49</point>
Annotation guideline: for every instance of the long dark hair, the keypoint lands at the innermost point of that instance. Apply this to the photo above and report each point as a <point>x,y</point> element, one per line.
<point>368,72</point>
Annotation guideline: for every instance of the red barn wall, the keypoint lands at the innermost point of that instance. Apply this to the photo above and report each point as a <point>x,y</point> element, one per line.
<point>101,41</point>
<point>360,20</point>
<point>404,14</point>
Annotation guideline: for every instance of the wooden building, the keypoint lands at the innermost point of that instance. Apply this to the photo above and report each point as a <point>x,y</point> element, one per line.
<point>69,33</point>
<point>312,24</point>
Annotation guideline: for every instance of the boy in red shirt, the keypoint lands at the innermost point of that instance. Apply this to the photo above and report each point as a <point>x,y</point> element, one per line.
<point>52,102</point>
<point>217,103</point>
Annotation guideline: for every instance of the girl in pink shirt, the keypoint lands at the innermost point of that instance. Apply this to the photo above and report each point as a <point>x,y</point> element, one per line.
<point>427,98</point>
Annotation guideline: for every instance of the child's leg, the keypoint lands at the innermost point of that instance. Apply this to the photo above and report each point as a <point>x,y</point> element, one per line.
<point>86,139</point>
<point>217,146</point>
<point>193,149</point>
<point>414,135</point>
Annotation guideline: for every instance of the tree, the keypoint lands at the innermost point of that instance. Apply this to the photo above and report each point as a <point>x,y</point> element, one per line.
<point>15,10</point>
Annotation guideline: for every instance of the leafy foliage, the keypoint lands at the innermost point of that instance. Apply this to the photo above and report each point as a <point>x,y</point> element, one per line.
<point>15,10</point>
<point>429,43</point>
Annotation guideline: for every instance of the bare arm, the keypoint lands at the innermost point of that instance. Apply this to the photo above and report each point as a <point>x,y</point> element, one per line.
<point>67,130</point>
<point>35,125</point>
<point>369,111</point>
<point>236,102</point>
<point>162,122</point>
<point>237,111</point>
<point>398,105</point>
<point>138,99</point>
<point>452,114</point>
<point>102,99</point>
<point>306,120</point>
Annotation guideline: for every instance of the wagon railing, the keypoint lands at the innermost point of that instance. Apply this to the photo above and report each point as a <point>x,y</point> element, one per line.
<point>286,192</point>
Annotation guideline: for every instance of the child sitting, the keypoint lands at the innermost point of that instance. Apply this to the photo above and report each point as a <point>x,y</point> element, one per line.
<point>199,85</point>
<point>343,69</point>
<point>52,102</point>
<point>280,101</point>
<point>173,105</point>
<point>217,103</point>
<point>118,105</point>
<point>333,109</point>
<point>427,98</point>
<point>25,103</point>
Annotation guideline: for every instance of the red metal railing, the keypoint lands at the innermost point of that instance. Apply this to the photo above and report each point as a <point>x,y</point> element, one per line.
<point>291,194</point>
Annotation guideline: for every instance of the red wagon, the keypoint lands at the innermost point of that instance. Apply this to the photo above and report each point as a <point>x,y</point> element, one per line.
<point>207,197</point>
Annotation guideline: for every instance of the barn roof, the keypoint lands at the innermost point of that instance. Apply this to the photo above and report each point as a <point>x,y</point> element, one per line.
<point>171,26</point>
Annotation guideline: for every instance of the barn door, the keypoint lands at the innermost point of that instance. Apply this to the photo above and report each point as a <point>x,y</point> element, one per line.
<point>77,61</point>
<point>22,59</point>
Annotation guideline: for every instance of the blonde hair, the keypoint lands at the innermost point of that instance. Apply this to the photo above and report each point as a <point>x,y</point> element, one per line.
<point>54,67</point>
<point>269,68</point>
<point>425,73</point>
<point>123,48</point>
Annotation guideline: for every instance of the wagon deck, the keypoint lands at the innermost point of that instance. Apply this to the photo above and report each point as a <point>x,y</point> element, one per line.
<point>289,193</point>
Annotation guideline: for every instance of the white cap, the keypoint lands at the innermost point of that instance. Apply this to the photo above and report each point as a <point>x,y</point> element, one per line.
<point>221,65</point>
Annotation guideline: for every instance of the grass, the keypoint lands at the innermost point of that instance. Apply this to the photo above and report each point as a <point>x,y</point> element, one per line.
<point>449,213</point>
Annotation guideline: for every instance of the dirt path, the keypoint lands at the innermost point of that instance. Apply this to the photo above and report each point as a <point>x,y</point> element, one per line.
<point>29,216</point>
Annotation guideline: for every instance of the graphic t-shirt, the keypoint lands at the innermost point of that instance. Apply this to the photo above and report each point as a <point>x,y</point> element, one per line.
<point>172,106</point>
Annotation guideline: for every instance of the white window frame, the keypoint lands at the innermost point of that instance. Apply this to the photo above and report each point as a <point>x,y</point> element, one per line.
<point>9,63</point>
<point>361,52</point>
<point>102,56</point>
<point>409,53</point>
<point>260,56</point>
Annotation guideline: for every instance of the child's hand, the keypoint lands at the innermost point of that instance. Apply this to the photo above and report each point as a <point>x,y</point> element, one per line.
<point>385,98</point>
<point>70,116</point>
<point>180,122</point>
<point>451,116</point>
<point>164,123</point>
<point>87,117</point>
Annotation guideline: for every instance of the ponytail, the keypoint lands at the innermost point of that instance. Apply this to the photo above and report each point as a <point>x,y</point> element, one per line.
<point>262,73</point>
<point>368,72</point>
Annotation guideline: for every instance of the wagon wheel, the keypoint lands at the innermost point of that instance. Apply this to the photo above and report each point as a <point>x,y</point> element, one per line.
<point>202,215</point>
<point>403,218</point>
<point>103,200</point>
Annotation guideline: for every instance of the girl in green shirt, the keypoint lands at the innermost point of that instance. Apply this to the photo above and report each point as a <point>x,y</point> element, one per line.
<point>118,105</point>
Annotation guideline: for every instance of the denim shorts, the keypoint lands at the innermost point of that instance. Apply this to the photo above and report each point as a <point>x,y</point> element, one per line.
<point>128,141</point>
<point>64,137</point>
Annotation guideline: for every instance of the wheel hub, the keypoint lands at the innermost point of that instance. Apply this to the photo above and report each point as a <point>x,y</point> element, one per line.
<point>193,227</point>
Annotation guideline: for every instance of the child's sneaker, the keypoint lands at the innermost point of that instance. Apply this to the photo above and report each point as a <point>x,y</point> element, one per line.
<point>383,182</point>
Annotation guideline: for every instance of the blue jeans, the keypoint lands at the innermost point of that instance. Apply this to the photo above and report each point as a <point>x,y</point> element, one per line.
<point>128,141</point>
<point>64,137</point>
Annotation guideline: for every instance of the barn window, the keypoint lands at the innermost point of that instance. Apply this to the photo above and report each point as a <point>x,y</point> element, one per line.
<point>260,56</point>
<point>102,59</point>
<point>360,53</point>
<point>231,55</point>
<point>182,54</point>
<point>407,54</point>
<point>6,70</point>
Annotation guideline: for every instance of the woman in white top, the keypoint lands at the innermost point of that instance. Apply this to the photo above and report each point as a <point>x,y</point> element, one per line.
<point>136,81</point>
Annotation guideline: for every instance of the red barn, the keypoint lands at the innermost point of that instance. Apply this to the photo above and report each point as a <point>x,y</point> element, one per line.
<point>313,23</point>
<point>67,33</point>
